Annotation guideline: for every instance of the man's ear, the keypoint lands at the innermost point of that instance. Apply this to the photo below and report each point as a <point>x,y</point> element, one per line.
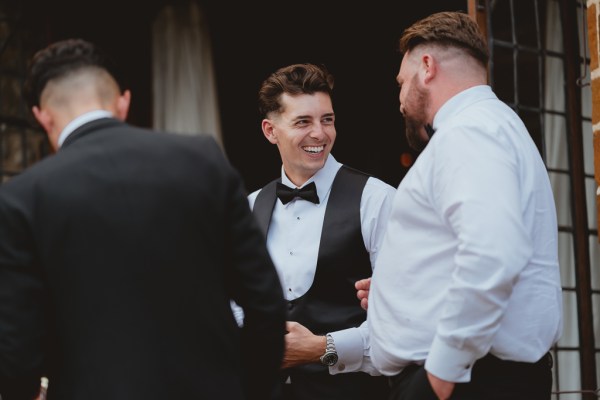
<point>122,106</point>
<point>269,130</point>
<point>48,122</point>
<point>44,118</point>
<point>428,67</point>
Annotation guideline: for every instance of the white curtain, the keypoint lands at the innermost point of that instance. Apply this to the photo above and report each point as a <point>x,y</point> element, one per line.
<point>184,87</point>
<point>557,157</point>
<point>555,134</point>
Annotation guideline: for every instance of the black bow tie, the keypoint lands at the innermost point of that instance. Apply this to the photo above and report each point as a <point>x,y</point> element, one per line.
<point>429,129</point>
<point>287,194</point>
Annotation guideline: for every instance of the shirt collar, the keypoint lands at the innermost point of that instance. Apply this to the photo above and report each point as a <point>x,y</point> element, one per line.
<point>323,179</point>
<point>81,120</point>
<point>459,101</point>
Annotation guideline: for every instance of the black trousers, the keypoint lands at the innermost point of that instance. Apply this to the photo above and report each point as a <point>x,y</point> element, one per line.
<point>491,379</point>
<point>323,386</point>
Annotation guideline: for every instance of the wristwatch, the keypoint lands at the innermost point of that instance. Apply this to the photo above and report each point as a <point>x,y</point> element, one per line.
<point>330,357</point>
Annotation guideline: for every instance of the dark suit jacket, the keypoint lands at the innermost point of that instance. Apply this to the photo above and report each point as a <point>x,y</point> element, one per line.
<point>118,259</point>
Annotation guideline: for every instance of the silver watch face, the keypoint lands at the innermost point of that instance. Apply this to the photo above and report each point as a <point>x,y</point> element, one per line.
<point>329,358</point>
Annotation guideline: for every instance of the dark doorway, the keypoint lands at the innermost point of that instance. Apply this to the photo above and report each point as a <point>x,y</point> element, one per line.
<point>358,44</point>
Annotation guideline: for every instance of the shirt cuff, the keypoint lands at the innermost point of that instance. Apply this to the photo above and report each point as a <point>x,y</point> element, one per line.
<point>449,363</point>
<point>353,352</point>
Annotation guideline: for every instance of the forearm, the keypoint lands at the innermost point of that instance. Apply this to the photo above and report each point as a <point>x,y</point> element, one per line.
<point>351,345</point>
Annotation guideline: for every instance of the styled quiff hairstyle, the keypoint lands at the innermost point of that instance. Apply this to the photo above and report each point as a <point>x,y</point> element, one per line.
<point>58,60</point>
<point>294,79</point>
<point>447,29</point>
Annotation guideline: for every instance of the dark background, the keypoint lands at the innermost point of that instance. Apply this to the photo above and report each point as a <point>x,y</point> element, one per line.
<point>358,44</point>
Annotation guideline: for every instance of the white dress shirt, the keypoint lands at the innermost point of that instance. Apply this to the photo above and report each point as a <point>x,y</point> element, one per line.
<point>469,264</point>
<point>80,121</point>
<point>293,243</point>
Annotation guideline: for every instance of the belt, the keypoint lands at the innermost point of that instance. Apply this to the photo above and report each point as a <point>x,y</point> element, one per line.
<point>545,360</point>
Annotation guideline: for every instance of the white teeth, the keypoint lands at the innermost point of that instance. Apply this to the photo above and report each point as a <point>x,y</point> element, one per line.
<point>314,149</point>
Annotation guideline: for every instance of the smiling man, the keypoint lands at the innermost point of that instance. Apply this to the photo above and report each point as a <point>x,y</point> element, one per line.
<point>324,223</point>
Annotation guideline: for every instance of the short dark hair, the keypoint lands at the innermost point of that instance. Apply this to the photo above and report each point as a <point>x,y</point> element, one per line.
<point>447,29</point>
<point>58,60</point>
<point>293,79</point>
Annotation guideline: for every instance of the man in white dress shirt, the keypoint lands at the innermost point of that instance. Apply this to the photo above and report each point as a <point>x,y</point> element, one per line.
<point>465,300</point>
<point>321,242</point>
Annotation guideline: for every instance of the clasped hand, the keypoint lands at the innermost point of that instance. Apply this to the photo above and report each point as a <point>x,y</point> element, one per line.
<point>301,346</point>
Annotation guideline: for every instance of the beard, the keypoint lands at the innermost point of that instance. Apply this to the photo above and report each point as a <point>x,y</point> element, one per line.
<point>414,116</point>
<point>414,134</point>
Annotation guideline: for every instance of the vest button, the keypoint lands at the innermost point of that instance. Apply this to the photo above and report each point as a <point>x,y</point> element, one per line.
<point>290,305</point>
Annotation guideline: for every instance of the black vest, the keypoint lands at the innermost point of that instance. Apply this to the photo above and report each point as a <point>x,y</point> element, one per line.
<point>330,304</point>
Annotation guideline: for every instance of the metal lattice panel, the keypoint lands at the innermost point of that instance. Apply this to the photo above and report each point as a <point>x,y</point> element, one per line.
<point>22,142</point>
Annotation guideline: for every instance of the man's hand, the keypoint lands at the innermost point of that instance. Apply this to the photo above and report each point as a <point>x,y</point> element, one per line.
<point>301,346</point>
<point>442,389</point>
<point>363,286</point>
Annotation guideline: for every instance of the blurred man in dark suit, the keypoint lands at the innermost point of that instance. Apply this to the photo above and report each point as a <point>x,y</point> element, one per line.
<point>120,254</point>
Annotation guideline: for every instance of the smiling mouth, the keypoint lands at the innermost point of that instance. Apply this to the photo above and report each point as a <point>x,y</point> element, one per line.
<point>313,149</point>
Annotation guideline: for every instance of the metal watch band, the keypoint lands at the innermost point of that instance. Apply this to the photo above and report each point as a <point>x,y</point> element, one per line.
<point>330,344</point>
<point>330,357</point>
